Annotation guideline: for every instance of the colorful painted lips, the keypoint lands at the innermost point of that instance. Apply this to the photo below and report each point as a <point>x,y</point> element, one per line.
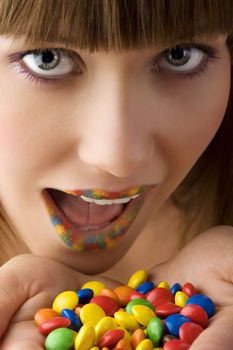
<point>90,220</point>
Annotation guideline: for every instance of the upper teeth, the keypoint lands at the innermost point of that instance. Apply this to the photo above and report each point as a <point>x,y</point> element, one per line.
<point>109,201</point>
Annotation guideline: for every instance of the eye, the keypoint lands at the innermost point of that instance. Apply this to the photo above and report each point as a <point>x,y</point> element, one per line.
<point>185,60</point>
<point>49,63</point>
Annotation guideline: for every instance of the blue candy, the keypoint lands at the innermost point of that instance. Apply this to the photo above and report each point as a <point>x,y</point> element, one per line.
<point>76,323</point>
<point>145,287</point>
<point>173,323</point>
<point>176,288</point>
<point>85,295</point>
<point>203,301</point>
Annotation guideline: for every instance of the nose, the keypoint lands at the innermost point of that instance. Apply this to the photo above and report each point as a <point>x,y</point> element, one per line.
<point>115,137</point>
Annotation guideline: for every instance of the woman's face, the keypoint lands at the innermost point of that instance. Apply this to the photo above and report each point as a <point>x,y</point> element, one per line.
<point>108,124</point>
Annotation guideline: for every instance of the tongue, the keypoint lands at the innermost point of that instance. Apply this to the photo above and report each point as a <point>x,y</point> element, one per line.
<point>82,213</point>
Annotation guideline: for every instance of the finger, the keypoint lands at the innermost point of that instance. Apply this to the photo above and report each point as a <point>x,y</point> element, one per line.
<point>219,333</point>
<point>22,336</point>
<point>12,295</point>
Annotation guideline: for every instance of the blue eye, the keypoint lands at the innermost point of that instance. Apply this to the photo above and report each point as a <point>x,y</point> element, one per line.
<point>187,60</point>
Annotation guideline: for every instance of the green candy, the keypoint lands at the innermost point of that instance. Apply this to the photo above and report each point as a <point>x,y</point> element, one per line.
<point>138,301</point>
<point>60,339</point>
<point>155,330</point>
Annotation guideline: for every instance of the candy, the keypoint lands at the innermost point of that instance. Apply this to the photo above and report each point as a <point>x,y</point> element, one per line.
<point>104,325</point>
<point>91,312</point>
<point>145,287</point>
<point>167,309</point>
<point>110,338</point>
<point>65,300</point>
<point>173,323</point>
<point>155,330</point>
<point>50,325</point>
<point>145,344</point>
<point>176,288</point>
<point>85,295</point>
<point>203,301</point>
<point>176,344</point>
<point>137,316</point>
<point>96,286</point>
<point>44,315</point>
<point>61,338</point>
<point>189,289</point>
<point>85,338</point>
<point>196,314</point>
<point>137,337</point>
<point>76,323</point>
<point>126,320</point>
<point>143,314</point>
<point>109,305</point>
<point>181,299</point>
<point>189,331</point>
<point>138,301</point>
<point>137,278</point>
<point>123,293</point>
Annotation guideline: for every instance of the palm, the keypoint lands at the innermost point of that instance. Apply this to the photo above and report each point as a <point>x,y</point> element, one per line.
<point>32,284</point>
<point>207,262</point>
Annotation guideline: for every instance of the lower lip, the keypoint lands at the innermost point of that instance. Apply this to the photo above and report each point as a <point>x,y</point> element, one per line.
<point>93,240</point>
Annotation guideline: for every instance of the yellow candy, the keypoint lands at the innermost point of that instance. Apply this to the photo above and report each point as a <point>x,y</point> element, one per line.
<point>65,300</point>
<point>85,338</point>
<point>126,320</point>
<point>105,324</point>
<point>94,348</point>
<point>91,312</point>
<point>164,284</point>
<point>181,299</point>
<point>137,278</point>
<point>157,348</point>
<point>145,344</point>
<point>143,314</point>
<point>96,286</point>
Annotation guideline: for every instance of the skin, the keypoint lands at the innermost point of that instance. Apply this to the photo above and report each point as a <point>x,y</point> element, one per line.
<point>136,121</point>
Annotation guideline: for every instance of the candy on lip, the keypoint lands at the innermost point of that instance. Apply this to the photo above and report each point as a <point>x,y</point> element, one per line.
<point>112,320</point>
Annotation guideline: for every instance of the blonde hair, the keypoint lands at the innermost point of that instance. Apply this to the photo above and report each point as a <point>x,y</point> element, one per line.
<point>127,24</point>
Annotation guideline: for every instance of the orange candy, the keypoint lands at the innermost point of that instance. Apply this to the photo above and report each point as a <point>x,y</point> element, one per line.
<point>137,337</point>
<point>45,315</point>
<point>123,344</point>
<point>110,293</point>
<point>124,293</point>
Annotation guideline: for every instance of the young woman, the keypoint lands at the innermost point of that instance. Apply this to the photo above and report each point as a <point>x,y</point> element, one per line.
<point>115,151</point>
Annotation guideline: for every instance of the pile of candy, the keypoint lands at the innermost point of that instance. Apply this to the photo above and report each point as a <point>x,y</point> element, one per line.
<point>136,316</point>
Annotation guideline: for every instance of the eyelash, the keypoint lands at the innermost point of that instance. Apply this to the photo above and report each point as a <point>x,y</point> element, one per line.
<point>211,53</point>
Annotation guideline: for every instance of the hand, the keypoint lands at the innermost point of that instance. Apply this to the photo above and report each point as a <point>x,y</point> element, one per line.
<point>207,262</point>
<point>29,283</point>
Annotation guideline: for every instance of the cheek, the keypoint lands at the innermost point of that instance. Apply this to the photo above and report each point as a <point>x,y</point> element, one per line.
<point>27,141</point>
<point>194,119</point>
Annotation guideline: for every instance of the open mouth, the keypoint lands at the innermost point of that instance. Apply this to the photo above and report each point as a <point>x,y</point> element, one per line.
<point>92,219</point>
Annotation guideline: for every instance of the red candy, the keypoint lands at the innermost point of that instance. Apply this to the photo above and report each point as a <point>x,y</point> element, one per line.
<point>189,289</point>
<point>196,314</point>
<point>135,295</point>
<point>159,294</point>
<point>110,338</point>
<point>189,331</point>
<point>56,322</point>
<point>167,309</point>
<point>176,344</point>
<point>109,305</point>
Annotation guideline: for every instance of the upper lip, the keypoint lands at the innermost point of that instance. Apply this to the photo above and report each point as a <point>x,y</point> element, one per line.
<point>96,193</point>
